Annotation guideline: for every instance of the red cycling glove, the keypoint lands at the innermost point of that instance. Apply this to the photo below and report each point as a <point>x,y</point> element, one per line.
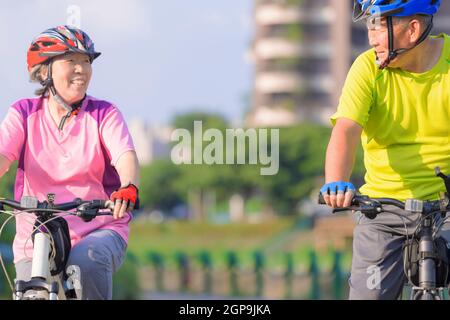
<point>129,194</point>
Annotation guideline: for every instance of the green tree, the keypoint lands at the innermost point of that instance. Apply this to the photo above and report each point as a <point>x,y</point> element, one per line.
<point>159,191</point>
<point>209,120</point>
<point>196,181</point>
<point>7,191</point>
<point>302,151</point>
<point>7,182</point>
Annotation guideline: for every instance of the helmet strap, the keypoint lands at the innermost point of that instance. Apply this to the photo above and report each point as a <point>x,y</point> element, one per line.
<point>392,53</point>
<point>48,83</point>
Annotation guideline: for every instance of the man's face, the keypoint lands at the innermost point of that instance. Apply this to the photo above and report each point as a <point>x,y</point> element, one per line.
<point>379,36</point>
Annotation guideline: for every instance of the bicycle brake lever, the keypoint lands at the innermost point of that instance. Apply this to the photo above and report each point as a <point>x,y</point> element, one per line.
<point>370,209</point>
<point>351,208</point>
<point>340,210</point>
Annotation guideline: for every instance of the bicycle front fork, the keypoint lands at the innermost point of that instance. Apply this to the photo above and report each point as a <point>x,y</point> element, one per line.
<point>37,287</point>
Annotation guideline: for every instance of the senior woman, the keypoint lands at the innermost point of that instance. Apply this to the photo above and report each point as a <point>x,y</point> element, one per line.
<point>74,146</point>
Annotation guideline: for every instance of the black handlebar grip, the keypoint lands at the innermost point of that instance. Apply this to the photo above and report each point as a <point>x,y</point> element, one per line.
<point>355,200</point>
<point>321,200</point>
<point>137,204</point>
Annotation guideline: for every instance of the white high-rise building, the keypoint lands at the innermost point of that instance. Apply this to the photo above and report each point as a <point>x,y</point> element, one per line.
<point>302,50</point>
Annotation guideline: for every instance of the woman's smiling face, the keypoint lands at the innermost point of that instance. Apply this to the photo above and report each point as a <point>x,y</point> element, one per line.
<point>71,75</point>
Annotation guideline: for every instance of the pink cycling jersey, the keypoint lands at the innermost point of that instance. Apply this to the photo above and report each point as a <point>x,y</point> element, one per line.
<point>77,162</point>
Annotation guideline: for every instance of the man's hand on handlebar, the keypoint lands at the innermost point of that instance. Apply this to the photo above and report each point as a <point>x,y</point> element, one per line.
<point>338,194</point>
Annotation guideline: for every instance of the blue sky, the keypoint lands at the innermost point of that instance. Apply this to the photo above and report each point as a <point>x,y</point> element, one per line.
<point>159,57</point>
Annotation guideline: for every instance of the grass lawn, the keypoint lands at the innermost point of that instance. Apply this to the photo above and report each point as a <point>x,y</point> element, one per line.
<point>244,239</point>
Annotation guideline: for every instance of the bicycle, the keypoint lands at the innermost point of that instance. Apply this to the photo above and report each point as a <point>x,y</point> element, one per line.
<point>49,281</point>
<point>426,256</point>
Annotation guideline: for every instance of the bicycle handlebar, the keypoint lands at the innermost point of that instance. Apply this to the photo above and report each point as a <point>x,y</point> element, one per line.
<point>362,199</point>
<point>370,207</point>
<point>87,210</point>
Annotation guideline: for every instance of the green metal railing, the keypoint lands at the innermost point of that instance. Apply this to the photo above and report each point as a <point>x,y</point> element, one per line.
<point>334,288</point>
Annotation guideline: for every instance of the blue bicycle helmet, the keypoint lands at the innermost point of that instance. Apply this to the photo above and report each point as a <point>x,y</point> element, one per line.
<point>394,8</point>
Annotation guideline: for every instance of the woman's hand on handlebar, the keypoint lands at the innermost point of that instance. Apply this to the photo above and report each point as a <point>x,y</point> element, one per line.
<point>125,199</point>
<point>338,194</point>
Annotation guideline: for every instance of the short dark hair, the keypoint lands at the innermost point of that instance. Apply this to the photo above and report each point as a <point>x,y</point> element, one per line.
<point>424,19</point>
<point>35,76</point>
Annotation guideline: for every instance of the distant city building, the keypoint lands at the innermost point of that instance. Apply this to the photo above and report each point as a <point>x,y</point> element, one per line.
<point>302,50</point>
<point>151,143</point>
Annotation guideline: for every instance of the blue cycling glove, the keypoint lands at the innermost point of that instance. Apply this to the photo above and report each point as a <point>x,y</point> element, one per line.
<point>337,187</point>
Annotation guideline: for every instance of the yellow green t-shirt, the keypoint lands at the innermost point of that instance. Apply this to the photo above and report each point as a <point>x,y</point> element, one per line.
<point>406,125</point>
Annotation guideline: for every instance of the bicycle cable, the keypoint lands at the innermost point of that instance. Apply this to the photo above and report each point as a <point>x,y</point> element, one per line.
<point>13,214</point>
<point>419,220</point>
<point>440,225</point>
<point>8,279</point>
<point>403,221</point>
<point>419,224</point>
<point>52,240</point>
<point>35,228</point>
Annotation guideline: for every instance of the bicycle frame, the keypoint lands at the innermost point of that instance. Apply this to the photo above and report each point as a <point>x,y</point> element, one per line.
<point>427,266</point>
<point>42,284</point>
<point>427,289</point>
<point>41,251</point>
<point>427,283</point>
<point>371,207</point>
